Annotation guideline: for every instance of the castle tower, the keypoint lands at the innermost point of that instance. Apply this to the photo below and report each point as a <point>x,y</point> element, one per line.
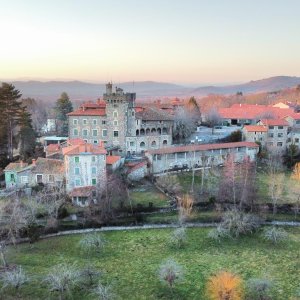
<point>119,109</point>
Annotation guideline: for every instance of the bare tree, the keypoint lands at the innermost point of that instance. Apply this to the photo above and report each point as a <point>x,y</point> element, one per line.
<point>183,125</point>
<point>185,207</point>
<point>169,183</point>
<point>213,118</point>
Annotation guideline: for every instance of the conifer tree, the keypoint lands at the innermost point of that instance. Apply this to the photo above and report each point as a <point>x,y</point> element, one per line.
<point>63,107</point>
<point>10,109</point>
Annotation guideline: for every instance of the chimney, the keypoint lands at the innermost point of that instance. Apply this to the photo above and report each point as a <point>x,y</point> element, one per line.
<point>33,162</point>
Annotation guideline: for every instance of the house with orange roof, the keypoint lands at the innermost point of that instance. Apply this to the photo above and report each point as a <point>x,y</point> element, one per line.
<point>113,162</point>
<point>255,133</point>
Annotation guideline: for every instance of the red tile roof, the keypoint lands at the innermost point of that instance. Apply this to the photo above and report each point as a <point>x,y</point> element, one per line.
<point>88,112</point>
<point>248,111</point>
<point>83,148</point>
<point>274,122</point>
<point>84,191</point>
<point>77,141</point>
<point>254,128</point>
<point>136,166</point>
<point>110,160</point>
<point>202,147</point>
<point>53,148</point>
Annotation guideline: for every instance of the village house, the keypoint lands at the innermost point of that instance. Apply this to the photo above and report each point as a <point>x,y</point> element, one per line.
<point>85,166</point>
<point>255,133</point>
<point>196,156</point>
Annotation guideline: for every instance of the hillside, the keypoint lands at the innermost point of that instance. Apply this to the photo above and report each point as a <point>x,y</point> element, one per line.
<point>146,90</point>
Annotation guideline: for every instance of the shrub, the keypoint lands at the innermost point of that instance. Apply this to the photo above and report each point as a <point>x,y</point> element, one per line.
<point>103,292</point>
<point>275,235</point>
<point>14,278</point>
<point>170,272</point>
<point>258,289</point>
<point>92,242</point>
<point>178,237</point>
<point>62,278</point>
<point>225,286</point>
<point>218,233</point>
<point>239,223</point>
<point>90,274</point>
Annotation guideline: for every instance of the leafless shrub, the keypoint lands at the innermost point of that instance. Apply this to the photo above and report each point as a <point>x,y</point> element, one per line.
<point>275,235</point>
<point>170,272</point>
<point>219,233</point>
<point>103,292</point>
<point>178,237</point>
<point>90,273</point>
<point>62,278</point>
<point>169,183</point>
<point>14,278</point>
<point>92,243</point>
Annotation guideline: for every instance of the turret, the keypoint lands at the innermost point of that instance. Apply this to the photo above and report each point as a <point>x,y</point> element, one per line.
<point>109,88</point>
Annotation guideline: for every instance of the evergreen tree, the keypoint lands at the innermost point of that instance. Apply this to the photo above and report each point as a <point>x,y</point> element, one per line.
<point>63,107</point>
<point>26,135</point>
<point>10,109</point>
<point>193,110</point>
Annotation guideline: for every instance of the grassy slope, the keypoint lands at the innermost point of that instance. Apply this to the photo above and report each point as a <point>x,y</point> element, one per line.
<point>131,260</point>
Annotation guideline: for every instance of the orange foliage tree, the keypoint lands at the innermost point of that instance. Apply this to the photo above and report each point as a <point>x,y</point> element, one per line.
<point>225,286</point>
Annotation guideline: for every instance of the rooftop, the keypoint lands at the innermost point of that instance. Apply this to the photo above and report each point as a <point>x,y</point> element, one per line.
<point>274,122</point>
<point>48,165</point>
<point>153,114</point>
<point>203,147</point>
<point>15,166</point>
<point>83,149</point>
<point>255,128</point>
<point>110,160</point>
<point>84,191</point>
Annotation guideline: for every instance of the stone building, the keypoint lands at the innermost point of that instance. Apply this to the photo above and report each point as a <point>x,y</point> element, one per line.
<point>85,165</point>
<point>196,156</point>
<point>120,124</point>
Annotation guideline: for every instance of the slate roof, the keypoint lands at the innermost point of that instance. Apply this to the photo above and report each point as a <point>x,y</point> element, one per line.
<point>153,114</point>
<point>48,166</point>
<point>16,166</point>
<point>84,191</point>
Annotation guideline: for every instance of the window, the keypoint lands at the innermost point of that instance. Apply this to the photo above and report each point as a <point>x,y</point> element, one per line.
<point>94,193</point>
<point>103,122</point>
<point>93,158</point>
<point>131,144</point>
<point>76,171</point>
<point>39,178</point>
<point>298,122</point>
<point>115,105</point>
<point>94,181</point>
<point>84,121</point>
<point>115,123</point>
<point>75,122</point>
<point>12,177</point>
<point>116,133</point>
<point>94,170</point>
<point>132,113</point>
<point>280,127</point>
<point>77,182</point>
<point>76,159</point>
<point>297,140</point>
<point>94,122</point>
<point>84,132</point>
<point>270,143</point>
<point>153,144</point>
<point>104,132</point>
<point>280,134</point>
<point>165,142</point>
<point>271,135</point>
<point>115,114</point>
<point>24,179</point>
<point>95,142</point>
<point>95,132</point>
<point>51,178</point>
<point>279,144</point>
<point>271,127</point>
<point>142,145</point>
<point>75,132</point>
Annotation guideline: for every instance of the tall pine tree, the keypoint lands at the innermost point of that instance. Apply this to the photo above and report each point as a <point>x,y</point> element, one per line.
<point>63,107</point>
<point>10,109</point>
<point>26,135</point>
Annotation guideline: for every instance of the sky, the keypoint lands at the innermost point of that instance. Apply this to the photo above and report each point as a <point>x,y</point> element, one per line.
<point>178,41</point>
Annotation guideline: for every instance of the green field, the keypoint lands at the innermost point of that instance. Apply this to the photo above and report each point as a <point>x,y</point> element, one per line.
<point>131,259</point>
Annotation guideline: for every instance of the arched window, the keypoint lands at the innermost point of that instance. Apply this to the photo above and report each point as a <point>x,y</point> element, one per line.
<point>147,130</point>
<point>142,144</point>
<point>153,130</point>
<point>165,142</point>
<point>165,130</point>
<point>137,132</point>
<point>153,144</point>
<point>142,132</point>
<point>159,130</point>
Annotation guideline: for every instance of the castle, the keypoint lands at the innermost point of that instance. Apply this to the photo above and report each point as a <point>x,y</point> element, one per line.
<point>123,127</point>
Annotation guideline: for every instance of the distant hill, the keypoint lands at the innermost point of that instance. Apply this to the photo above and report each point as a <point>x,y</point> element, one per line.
<point>78,90</point>
<point>263,85</point>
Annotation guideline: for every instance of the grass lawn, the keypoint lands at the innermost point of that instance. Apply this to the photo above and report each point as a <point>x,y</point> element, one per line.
<point>131,259</point>
<point>148,193</point>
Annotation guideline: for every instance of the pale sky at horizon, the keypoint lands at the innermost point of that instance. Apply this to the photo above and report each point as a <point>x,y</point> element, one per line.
<point>172,41</point>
